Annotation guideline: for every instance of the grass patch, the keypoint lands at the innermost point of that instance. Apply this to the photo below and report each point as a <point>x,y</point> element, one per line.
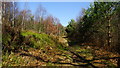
<point>38,40</point>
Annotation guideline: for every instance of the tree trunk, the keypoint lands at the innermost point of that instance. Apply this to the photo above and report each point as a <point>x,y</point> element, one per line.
<point>13,16</point>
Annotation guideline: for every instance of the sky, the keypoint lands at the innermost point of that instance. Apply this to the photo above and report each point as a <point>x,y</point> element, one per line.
<point>64,11</point>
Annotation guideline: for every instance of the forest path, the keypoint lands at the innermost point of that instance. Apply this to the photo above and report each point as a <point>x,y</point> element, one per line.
<point>75,55</point>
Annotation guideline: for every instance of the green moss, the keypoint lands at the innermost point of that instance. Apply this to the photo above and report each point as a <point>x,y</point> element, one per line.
<point>38,40</point>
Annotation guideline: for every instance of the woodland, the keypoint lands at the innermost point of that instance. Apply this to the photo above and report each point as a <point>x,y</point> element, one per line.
<point>90,41</point>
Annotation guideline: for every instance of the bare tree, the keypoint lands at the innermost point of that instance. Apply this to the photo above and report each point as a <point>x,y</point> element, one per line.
<point>40,13</point>
<point>39,17</point>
